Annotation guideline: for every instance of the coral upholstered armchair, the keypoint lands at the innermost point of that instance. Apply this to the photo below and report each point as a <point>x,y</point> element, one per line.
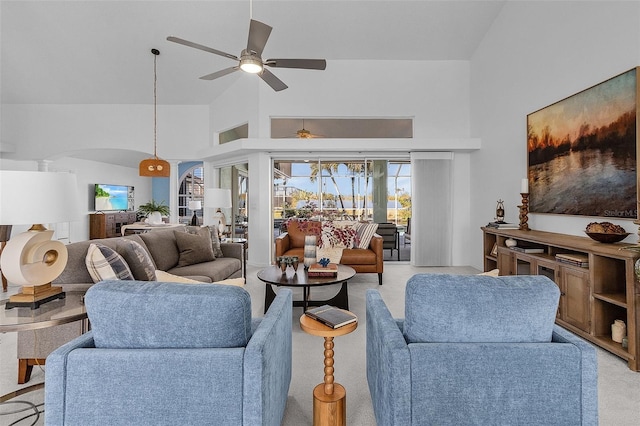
<point>478,350</point>
<point>173,354</point>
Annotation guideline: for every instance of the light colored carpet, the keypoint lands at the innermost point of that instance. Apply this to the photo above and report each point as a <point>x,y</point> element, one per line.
<point>618,387</point>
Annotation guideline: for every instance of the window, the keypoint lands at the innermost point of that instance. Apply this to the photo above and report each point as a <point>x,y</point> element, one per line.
<point>341,189</point>
<point>191,189</point>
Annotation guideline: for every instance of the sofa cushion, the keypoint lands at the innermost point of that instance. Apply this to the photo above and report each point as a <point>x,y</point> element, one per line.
<point>474,308</point>
<point>163,248</point>
<point>145,314</point>
<point>215,240</point>
<point>103,263</point>
<point>337,234</point>
<point>194,248</point>
<point>138,259</point>
<point>364,233</point>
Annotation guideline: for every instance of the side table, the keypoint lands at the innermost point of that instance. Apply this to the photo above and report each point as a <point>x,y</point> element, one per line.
<point>329,398</point>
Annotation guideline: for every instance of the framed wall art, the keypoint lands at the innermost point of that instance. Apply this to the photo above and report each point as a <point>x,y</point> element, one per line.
<point>582,152</point>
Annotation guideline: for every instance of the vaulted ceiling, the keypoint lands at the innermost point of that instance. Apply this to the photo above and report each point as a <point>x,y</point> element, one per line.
<point>98,52</point>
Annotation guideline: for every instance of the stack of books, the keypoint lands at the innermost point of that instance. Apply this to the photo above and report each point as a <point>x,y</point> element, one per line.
<point>528,249</point>
<point>503,225</point>
<point>317,270</point>
<point>581,260</point>
<point>331,316</point>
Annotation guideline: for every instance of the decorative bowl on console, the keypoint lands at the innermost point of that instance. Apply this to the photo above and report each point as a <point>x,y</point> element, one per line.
<point>604,237</point>
<point>606,232</point>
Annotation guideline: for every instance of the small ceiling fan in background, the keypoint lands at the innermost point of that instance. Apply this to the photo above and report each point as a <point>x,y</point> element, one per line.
<point>306,134</point>
<point>250,59</point>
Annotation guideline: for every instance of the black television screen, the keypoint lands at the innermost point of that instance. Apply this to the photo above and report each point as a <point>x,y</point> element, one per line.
<point>113,197</point>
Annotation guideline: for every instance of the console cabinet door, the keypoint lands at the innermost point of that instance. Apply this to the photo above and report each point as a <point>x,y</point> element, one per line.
<point>506,261</point>
<point>574,297</point>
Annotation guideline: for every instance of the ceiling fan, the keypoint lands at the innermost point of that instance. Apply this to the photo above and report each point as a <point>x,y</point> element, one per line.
<point>250,59</point>
<point>306,134</point>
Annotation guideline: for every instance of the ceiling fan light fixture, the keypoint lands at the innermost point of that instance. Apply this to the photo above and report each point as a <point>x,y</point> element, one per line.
<point>250,63</point>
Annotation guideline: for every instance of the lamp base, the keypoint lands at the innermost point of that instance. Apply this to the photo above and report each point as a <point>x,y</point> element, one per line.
<point>34,296</point>
<point>194,220</point>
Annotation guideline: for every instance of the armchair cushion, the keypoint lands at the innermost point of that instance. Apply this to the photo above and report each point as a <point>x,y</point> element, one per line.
<point>364,233</point>
<point>495,309</point>
<point>142,314</point>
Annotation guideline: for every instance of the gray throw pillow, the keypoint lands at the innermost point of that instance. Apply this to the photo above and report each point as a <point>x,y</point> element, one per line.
<point>215,240</point>
<point>138,259</point>
<point>194,248</point>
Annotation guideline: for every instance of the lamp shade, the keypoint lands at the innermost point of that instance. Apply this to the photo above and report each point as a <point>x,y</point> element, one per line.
<point>217,197</point>
<point>195,205</point>
<point>28,198</point>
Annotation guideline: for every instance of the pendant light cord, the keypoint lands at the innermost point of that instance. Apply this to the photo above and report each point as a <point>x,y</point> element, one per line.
<point>155,52</point>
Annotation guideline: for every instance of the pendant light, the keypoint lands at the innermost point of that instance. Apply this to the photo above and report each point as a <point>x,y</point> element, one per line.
<point>155,167</point>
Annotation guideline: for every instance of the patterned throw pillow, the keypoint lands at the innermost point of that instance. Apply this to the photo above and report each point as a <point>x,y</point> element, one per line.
<point>103,263</point>
<point>138,259</point>
<point>194,248</point>
<point>364,233</point>
<point>337,235</point>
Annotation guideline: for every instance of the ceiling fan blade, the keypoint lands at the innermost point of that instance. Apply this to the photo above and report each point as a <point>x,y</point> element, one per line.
<point>273,81</point>
<point>309,64</point>
<point>201,47</point>
<point>258,36</point>
<point>220,73</point>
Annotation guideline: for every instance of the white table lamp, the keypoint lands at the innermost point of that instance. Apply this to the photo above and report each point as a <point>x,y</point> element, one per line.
<point>219,198</point>
<point>32,259</point>
<point>193,206</point>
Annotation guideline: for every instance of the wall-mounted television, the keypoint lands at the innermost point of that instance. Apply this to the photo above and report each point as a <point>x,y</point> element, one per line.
<point>113,197</point>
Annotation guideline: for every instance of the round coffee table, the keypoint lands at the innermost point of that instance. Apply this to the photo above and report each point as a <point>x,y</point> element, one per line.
<point>272,275</point>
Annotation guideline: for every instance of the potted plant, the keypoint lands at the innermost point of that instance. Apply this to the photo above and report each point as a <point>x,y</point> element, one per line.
<point>154,211</point>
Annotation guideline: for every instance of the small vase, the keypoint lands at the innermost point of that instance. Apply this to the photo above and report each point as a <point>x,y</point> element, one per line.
<point>290,272</point>
<point>637,269</point>
<point>618,331</point>
<point>309,250</point>
<point>155,218</point>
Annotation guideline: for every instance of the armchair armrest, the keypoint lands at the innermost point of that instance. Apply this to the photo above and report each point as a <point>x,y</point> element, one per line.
<point>388,364</point>
<point>267,364</point>
<point>54,390</point>
<point>283,244</point>
<point>589,370</point>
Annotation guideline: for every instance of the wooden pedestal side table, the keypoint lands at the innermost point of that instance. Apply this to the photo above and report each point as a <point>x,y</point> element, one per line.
<point>329,398</point>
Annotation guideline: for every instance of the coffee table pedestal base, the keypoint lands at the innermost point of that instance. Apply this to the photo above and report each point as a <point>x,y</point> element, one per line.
<point>329,410</point>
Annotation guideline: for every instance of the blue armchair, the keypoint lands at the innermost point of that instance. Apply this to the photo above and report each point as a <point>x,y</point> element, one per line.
<point>478,350</point>
<point>169,354</point>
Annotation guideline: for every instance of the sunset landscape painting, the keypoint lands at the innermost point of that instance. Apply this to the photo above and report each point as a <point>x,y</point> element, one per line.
<point>582,152</point>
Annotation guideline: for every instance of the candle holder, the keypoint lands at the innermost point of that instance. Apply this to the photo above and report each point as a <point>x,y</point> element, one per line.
<point>524,212</point>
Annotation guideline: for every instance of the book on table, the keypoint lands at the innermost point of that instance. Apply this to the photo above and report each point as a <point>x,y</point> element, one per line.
<point>331,316</point>
<point>317,270</point>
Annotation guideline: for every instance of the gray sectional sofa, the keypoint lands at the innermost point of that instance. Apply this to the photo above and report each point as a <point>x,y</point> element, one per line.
<point>164,251</point>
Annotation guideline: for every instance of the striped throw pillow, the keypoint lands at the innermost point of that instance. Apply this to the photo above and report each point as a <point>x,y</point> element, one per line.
<point>103,263</point>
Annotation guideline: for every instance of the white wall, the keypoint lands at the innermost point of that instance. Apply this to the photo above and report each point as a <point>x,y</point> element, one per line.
<point>43,131</point>
<point>535,54</point>
<point>435,94</point>
<point>87,174</point>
